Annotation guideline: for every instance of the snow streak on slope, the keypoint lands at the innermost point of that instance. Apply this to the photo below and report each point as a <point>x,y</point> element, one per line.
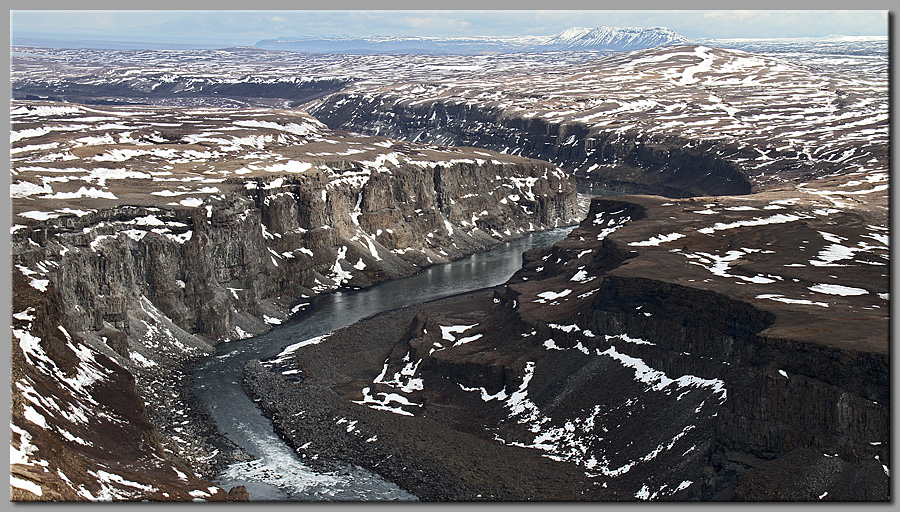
<point>576,38</point>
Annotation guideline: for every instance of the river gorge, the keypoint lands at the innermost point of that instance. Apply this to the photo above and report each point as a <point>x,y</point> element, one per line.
<point>218,380</point>
<point>227,298</point>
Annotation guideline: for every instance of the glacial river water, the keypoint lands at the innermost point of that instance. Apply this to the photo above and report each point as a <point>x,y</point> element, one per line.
<point>278,474</point>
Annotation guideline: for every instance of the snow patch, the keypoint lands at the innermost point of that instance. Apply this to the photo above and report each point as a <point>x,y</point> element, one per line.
<point>836,289</point>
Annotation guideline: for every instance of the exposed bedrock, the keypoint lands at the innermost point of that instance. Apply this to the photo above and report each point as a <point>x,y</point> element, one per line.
<point>152,289</point>
<point>140,91</point>
<point>659,387</point>
<point>279,240</point>
<point>79,428</point>
<point>632,162</point>
<point>793,402</point>
<point>783,395</point>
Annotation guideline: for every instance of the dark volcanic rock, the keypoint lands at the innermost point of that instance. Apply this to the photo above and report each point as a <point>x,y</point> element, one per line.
<point>636,163</point>
<point>137,91</point>
<point>806,474</point>
<point>153,268</point>
<point>650,384</point>
<point>239,493</point>
<point>77,417</point>
<point>434,454</point>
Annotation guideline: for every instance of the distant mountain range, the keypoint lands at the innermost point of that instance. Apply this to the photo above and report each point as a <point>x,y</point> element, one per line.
<point>576,38</point>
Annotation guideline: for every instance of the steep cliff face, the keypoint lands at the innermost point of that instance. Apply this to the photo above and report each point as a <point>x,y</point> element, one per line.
<point>143,285</point>
<point>679,120</point>
<point>282,239</point>
<point>79,428</point>
<point>649,352</point>
<point>794,386</point>
<point>164,88</point>
<point>632,161</point>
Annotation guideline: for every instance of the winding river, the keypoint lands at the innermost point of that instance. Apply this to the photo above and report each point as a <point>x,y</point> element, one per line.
<point>278,474</point>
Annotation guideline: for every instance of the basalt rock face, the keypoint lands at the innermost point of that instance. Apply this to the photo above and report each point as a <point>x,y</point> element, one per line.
<point>243,251</point>
<point>679,120</point>
<point>787,400</point>
<point>155,304</point>
<point>114,302</point>
<point>652,385</point>
<point>784,397</point>
<point>631,162</point>
<point>79,429</point>
<point>156,89</point>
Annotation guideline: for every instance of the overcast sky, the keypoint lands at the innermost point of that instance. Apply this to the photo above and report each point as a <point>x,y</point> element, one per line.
<point>243,28</point>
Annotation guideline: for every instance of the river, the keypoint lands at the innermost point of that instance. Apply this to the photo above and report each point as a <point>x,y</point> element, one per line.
<point>278,474</point>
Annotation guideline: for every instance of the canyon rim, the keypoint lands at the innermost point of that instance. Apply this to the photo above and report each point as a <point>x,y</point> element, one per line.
<point>713,326</point>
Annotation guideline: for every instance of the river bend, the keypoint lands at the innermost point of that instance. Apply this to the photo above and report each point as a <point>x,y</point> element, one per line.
<point>277,473</point>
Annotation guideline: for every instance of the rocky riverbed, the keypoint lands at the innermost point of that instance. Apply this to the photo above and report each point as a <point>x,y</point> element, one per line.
<point>602,375</point>
<point>153,234</point>
<point>436,455</point>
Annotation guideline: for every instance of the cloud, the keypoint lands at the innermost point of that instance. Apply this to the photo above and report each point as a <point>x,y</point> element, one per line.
<point>444,23</point>
<point>247,27</point>
<point>736,16</point>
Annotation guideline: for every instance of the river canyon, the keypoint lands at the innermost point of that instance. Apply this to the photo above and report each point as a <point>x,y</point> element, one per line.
<point>229,283</point>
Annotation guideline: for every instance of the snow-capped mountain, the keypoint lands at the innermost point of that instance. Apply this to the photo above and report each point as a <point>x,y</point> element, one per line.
<point>575,38</point>
<point>615,38</point>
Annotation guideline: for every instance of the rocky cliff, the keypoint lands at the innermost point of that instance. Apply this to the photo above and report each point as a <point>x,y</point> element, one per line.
<point>79,428</point>
<point>158,245</point>
<point>662,351</point>
<point>633,162</point>
<point>677,121</point>
<point>730,347</point>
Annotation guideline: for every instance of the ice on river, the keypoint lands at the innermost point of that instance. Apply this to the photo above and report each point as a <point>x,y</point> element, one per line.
<point>279,474</point>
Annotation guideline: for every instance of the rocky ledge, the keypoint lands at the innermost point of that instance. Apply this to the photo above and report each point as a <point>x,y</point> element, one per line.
<point>677,121</point>
<point>728,348</point>
<point>142,237</point>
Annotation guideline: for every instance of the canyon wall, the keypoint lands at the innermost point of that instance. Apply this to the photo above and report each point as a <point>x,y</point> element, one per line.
<point>147,290</point>
<point>167,90</point>
<point>646,379</point>
<point>628,162</point>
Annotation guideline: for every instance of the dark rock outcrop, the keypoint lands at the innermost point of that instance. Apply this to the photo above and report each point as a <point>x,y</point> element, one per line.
<point>80,430</point>
<point>630,162</point>
<point>150,287</point>
<point>154,89</point>
<point>436,459</point>
<point>256,252</point>
<point>653,385</point>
